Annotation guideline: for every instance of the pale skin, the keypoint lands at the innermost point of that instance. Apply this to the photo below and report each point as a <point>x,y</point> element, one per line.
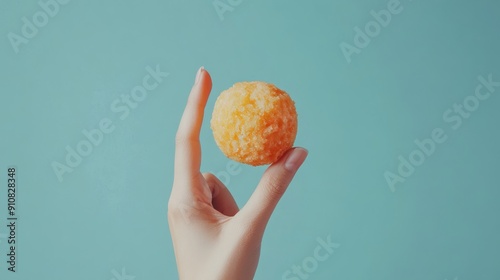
<point>213,239</point>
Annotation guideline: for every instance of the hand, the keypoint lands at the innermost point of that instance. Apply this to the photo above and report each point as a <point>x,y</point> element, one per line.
<point>212,238</point>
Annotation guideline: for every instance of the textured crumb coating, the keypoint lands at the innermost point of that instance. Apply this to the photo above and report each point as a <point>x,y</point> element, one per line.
<point>254,122</point>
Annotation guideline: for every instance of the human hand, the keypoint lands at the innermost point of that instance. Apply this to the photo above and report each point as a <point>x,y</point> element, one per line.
<point>212,238</point>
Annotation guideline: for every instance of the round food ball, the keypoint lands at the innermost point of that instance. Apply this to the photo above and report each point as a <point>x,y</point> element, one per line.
<point>254,123</point>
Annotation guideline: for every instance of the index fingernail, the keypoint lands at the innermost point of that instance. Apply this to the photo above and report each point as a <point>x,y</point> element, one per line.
<point>198,75</point>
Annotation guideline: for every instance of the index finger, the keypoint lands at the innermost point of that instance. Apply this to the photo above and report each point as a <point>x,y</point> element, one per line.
<point>187,142</point>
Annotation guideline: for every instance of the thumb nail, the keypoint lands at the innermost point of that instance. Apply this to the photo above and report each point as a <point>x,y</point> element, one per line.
<point>295,159</point>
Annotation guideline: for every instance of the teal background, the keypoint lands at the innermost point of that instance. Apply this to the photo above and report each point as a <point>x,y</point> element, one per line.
<point>355,118</point>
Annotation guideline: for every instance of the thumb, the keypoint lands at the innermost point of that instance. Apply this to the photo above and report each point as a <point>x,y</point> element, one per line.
<point>272,186</point>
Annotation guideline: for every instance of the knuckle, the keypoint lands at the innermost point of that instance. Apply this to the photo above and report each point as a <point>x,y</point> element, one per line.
<point>185,138</point>
<point>175,210</point>
<point>180,137</point>
<point>275,187</point>
<point>213,183</point>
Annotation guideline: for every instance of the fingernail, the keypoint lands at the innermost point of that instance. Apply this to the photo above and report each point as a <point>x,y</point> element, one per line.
<point>295,159</point>
<point>198,75</point>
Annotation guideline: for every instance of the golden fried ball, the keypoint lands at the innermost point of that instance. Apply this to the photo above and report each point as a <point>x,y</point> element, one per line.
<point>254,122</point>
